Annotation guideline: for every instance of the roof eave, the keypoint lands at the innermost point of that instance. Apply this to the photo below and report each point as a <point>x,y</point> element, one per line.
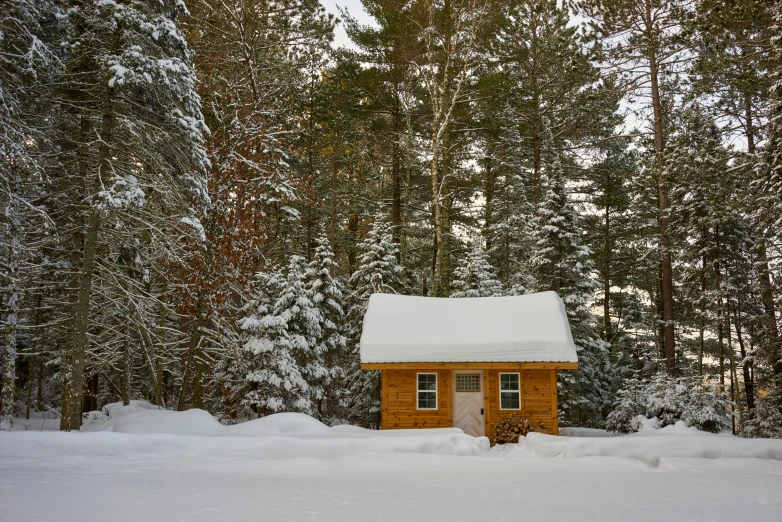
<point>456,365</point>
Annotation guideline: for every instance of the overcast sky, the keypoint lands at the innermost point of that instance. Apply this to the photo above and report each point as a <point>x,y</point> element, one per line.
<point>355,9</point>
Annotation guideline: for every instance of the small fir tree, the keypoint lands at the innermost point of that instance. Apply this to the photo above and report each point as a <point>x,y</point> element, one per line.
<point>378,272</point>
<point>327,292</point>
<point>278,343</point>
<point>475,278</point>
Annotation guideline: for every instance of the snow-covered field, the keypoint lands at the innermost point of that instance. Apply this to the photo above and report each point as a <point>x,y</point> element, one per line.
<point>149,465</point>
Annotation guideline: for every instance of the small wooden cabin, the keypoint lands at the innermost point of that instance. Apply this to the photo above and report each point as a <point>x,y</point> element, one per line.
<point>467,362</point>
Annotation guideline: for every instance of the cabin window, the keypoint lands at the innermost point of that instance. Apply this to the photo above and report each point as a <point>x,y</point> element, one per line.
<point>510,391</point>
<point>427,391</point>
<point>468,382</point>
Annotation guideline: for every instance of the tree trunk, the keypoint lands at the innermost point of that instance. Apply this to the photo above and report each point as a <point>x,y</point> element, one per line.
<point>30,377</point>
<point>190,358</point>
<point>537,120</point>
<point>73,388</point>
<point>701,340</point>
<point>749,385</point>
<point>396,179</point>
<point>770,334</point>
<point>39,386</point>
<point>734,385</point>
<point>607,274</point>
<point>436,219</point>
<point>333,215</point>
<point>720,339</point>
<point>662,199</point>
<point>488,210</point>
<point>198,381</point>
<point>125,375</point>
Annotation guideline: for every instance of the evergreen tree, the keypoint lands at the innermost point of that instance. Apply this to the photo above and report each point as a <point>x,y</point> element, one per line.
<point>327,294</point>
<point>767,194</point>
<point>610,237</point>
<point>378,272</point>
<point>279,340</point>
<point>561,262</point>
<point>642,51</point>
<point>129,132</point>
<point>28,63</point>
<point>553,97</point>
<point>475,278</point>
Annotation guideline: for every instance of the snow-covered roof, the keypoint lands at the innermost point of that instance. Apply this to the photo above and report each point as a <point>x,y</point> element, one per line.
<point>527,328</point>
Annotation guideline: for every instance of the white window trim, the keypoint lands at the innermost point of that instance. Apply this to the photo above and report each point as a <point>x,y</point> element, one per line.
<point>436,390</point>
<point>501,391</point>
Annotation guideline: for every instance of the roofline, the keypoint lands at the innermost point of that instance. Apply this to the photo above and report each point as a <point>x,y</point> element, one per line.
<point>470,366</point>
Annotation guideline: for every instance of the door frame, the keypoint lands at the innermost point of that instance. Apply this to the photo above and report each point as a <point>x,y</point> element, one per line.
<point>482,381</point>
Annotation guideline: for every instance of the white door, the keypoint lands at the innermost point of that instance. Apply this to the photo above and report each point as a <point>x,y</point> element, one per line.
<point>468,402</point>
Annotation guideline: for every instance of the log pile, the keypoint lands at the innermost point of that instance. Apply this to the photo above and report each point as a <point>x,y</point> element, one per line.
<point>509,430</point>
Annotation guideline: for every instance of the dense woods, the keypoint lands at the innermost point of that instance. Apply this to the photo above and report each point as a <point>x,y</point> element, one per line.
<point>197,200</point>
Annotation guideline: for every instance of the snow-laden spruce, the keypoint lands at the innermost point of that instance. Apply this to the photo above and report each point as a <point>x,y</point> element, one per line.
<point>279,342</point>
<point>561,262</point>
<point>325,372</point>
<point>378,272</point>
<point>292,353</point>
<point>475,277</point>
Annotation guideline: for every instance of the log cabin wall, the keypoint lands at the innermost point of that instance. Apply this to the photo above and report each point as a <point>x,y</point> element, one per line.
<point>538,400</point>
<point>398,408</point>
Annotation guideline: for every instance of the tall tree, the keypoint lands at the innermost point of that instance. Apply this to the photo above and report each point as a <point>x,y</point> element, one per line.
<point>639,43</point>
<point>561,262</point>
<point>327,373</point>
<point>130,130</point>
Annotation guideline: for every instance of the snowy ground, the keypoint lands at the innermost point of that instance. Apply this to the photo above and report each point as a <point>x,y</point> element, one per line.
<point>141,467</point>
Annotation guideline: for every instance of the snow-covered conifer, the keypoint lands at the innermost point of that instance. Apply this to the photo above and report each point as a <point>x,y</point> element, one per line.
<point>27,64</point>
<point>131,148</point>
<point>475,278</point>
<point>668,400</point>
<point>279,335</point>
<point>378,272</point>
<point>327,293</point>
<point>561,262</point>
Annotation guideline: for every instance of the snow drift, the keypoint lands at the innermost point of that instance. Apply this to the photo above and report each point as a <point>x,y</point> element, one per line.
<point>141,430</point>
<point>650,445</point>
<point>138,431</point>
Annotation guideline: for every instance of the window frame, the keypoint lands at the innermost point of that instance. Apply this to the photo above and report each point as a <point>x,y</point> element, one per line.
<point>436,391</point>
<point>501,391</point>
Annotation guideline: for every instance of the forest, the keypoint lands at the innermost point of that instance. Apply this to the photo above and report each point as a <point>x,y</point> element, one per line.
<point>199,197</point>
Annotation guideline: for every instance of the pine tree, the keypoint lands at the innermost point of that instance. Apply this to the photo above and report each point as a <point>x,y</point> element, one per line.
<point>378,272</point>
<point>561,262</point>
<point>551,79</point>
<point>130,144</point>
<point>279,343</point>
<point>767,215</point>
<point>611,239</point>
<point>327,293</point>
<point>475,278</point>
<point>28,64</point>
<point>638,44</point>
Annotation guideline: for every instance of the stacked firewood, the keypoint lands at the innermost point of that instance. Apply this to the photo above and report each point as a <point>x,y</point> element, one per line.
<point>509,430</point>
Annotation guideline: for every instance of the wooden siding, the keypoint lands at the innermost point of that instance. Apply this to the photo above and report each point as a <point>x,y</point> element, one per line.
<point>538,400</point>
<point>399,401</point>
